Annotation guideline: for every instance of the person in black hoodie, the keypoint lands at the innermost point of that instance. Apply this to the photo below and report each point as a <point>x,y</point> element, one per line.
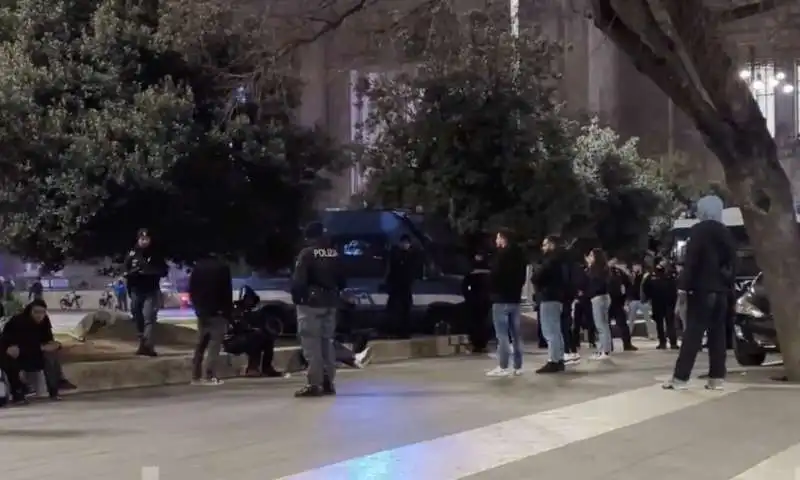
<point>552,283</point>
<point>401,269</point>
<point>618,287</point>
<point>705,285</point>
<point>506,279</point>
<point>661,287</point>
<point>478,303</point>
<point>210,286</point>
<point>25,344</point>
<point>144,268</point>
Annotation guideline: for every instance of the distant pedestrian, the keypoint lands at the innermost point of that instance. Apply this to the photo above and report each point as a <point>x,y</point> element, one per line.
<point>705,286</point>
<point>144,268</point>
<point>36,290</point>
<point>506,279</point>
<point>121,294</point>
<point>553,284</point>
<point>662,290</point>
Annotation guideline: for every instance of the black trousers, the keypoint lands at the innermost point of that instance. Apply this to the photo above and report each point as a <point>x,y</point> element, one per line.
<point>706,313</point>
<point>664,318</point>
<point>260,352</point>
<point>479,327</point>
<point>398,310</point>
<point>47,363</point>
<point>570,329</point>
<point>616,312</point>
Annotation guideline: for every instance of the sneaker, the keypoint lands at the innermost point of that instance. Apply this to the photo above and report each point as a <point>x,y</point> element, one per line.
<point>572,358</point>
<point>65,384</point>
<point>600,356</point>
<point>675,384</point>
<point>197,382</point>
<point>363,357</point>
<point>498,372</point>
<point>213,381</point>
<point>674,347</point>
<point>661,346</point>
<point>328,388</point>
<point>516,372</point>
<point>630,348</point>
<point>715,384</point>
<point>309,391</point>
<point>551,367</point>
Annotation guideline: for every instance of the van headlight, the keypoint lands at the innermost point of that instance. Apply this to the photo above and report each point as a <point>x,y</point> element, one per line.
<point>743,307</point>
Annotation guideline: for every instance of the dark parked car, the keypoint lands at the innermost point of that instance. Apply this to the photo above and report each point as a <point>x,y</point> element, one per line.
<point>754,329</point>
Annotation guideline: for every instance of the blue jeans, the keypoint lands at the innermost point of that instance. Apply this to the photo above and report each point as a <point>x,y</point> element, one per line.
<point>550,320</point>
<point>144,310</point>
<point>505,317</point>
<point>600,305</point>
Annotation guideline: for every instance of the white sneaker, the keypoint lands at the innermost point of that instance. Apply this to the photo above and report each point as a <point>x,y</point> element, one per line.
<point>498,372</point>
<point>572,358</point>
<point>600,356</point>
<point>363,357</point>
<point>517,372</point>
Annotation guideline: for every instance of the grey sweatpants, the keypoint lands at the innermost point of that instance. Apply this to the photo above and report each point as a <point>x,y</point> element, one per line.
<point>210,334</point>
<point>316,328</point>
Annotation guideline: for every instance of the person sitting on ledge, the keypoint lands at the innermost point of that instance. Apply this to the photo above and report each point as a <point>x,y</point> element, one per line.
<point>28,347</point>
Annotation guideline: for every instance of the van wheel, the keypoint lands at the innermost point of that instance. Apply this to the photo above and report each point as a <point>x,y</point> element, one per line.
<point>746,357</point>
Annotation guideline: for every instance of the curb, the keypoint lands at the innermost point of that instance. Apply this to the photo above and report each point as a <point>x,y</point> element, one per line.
<point>172,370</point>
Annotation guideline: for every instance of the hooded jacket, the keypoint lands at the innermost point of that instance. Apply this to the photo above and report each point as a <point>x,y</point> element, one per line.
<point>710,261</point>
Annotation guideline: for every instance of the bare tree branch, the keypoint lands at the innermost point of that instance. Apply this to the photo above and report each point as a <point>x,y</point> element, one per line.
<point>752,9</point>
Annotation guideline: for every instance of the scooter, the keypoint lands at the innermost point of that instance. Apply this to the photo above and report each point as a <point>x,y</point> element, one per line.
<point>70,301</point>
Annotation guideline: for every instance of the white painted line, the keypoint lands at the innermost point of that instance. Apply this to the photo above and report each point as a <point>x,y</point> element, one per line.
<point>468,453</point>
<point>783,466</point>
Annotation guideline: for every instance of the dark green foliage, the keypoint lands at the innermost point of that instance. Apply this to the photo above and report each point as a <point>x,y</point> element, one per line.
<point>116,115</point>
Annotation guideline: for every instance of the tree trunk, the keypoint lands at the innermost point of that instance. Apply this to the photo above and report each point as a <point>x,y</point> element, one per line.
<point>762,190</point>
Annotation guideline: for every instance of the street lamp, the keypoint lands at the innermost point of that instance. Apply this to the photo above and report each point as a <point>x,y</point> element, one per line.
<point>766,86</point>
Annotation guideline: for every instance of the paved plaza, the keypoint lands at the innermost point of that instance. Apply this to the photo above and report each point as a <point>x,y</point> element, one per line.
<point>419,420</point>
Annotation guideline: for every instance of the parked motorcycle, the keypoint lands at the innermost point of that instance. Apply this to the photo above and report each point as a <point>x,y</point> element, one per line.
<point>106,300</point>
<point>70,301</point>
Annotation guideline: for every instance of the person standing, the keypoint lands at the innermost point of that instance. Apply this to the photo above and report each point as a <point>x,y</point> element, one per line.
<point>121,292</point>
<point>596,289</point>
<point>637,301</point>
<point>619,284</point>
<point>36,292</point>
<point>210,287</point>
<point>661,288</point>
<point>401,270</point>
<point>552,283</point>
<point>317,283</point>
<point>144,268</point>
<point>506,279</point>
<point>478,304</point>
<point>705,285</point>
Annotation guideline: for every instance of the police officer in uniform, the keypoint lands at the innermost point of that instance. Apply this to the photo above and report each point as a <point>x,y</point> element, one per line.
<point>144,268</point>
<point>316,285</point>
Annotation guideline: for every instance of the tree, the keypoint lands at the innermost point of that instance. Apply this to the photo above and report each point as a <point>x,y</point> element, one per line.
<point>120,114</point>
<point>473,131</point>
<point>679,46</point>
<point>628,196</point>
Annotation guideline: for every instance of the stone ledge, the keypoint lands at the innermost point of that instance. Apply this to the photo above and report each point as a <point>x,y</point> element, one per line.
<point>170,370</point>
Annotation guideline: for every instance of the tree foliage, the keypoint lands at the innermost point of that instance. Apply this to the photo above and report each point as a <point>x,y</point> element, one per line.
<point>118,114</point>
<point>476,132</point>
<point>627,194</point>
<point>473,132</point>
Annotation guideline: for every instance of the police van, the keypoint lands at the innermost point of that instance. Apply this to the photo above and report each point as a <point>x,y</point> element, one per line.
<point>362,238</point>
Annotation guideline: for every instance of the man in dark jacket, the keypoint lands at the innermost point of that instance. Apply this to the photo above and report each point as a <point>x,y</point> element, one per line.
<point>210,286</point>
<point>618,285</point>
<point>144,268</point>
<point>27,345</point>
<point>478,304</point>
<point>506,279</point>
<point>401,269</point>
<point>317,283</point>
<point>705,285</point>
<point>661,287</point>
<point>552,283</point>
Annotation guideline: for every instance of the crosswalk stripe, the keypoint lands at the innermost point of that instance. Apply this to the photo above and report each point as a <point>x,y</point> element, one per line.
<point>460,455</point>
<point>783,466</point>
